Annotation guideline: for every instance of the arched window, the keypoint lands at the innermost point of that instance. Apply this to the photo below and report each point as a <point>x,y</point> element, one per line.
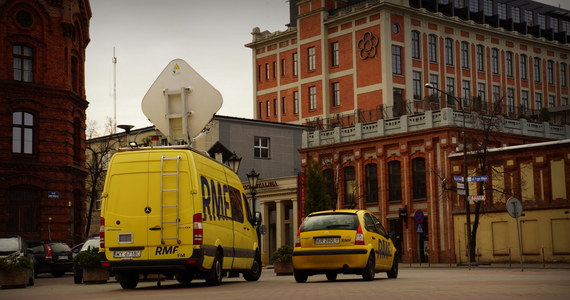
<point>371,183</point>
<point>419,178</point>
<point>394,182</point>
<point>76,140</point>
<point>349,186</point>
<point>329,180</point>
<point>22,132</point>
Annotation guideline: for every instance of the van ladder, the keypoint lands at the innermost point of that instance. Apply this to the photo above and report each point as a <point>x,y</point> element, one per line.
<point>167,204</point>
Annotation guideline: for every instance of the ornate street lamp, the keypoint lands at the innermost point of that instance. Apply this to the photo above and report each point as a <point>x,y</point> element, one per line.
<point>465,174</point>
<point>234,162</point>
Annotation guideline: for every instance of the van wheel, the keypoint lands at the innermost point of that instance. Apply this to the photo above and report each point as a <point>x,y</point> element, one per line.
<point>184,277</point>
<point>368,272</point>
<point>300,277</point>
<point>214,276</point>
<point>331,276</point>
<point>255,272</point>
<point>393,273</point>
<point>128,280</point>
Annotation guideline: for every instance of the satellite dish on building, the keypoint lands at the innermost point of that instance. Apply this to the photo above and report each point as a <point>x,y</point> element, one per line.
<point>180,102</point>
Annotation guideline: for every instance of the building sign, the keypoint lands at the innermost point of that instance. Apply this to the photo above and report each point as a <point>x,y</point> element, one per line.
<point>301,179</point>
<point>53,195</point>
<point>263,184</point>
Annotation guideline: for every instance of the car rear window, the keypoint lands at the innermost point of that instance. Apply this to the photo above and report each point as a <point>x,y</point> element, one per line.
<point>330,221</point>
<point>9,245</point>
<point>59,247</point>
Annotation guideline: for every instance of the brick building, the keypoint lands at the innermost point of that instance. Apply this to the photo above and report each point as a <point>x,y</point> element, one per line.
<point>42,118</point>
<point>357,72</point>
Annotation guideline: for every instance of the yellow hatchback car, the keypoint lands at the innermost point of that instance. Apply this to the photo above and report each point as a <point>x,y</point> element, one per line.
<point>343,241</point>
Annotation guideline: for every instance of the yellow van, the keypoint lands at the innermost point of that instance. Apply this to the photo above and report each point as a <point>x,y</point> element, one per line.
<point>176,212</point>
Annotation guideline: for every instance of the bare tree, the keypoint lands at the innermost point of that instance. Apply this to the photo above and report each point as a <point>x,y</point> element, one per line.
<point>99,151</point>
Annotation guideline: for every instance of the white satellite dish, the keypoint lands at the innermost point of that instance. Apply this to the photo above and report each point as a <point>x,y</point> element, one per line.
<point>180,102</point>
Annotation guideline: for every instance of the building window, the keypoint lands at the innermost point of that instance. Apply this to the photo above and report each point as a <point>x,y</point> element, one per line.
<point>259,76</point>
<point>564,101</point>
<point>274,69</point>
<point>22,132</point>
<point>466,92</point>
<point>22,212</point>
<point>541,21</point>
<point>496,93</point>
<point>488,7</point>
<point>449,51</point>
<point>509,62</point>
<point>524,101</point>
<point>334,54</point>
<point>511,101</point>
<point>77,140</point>
<point>268,107</point>
<point>261,147</point>
<point>551,101</point>
<point>296,102</point>
<point>260,109</point>
<point>417,78</point>
<point>419,178</point>
<point>416,44</point>
<point>563,75</point>
<point>394,182</point>
<point>502,10</point>
<point>550,72</point>
<point>480,58</point>
<point>295,65</point>
<point>312,98</point>
<point>23,63</point>
<point>516,14</point>
<point>283,105</point>
<point>75,74</point>
<point>495,61</point>
<point>434,81</point>
<point>481,91</point>
<point>266,71</point>
<point>371,183</point>
<point>523,66</point>
<point>274,107</point>
<point>529,18</point>
<point>432,48</point>
<point>536,69</point>
<point>465,55</point>
<point>450,89</point>
<point>537,101</point>
<point>330,182</point>
<point>474,6</point>
<point>283,63</point>
<point>397,60</point>
<point>336,94</point>
<point>349,186</point>
<point>312,60</point>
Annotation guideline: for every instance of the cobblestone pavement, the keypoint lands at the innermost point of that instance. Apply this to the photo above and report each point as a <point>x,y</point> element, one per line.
<point>412,283</point>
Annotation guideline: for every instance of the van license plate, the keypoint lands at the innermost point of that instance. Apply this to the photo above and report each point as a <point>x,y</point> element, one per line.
<point>327,240</point>
<point>126,254</point>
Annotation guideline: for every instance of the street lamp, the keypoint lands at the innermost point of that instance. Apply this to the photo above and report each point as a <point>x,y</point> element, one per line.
<point>234,162</point>
<point>465,174</point>
<point>252,178</point>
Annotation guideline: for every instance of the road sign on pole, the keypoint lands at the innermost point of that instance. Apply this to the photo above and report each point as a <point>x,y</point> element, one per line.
<point>477,178</point>
<point>476,198</point>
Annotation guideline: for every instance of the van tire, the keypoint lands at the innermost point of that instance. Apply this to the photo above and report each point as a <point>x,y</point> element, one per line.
<point>184,277</point>
<point>255,272</point>
<point>300,277</point>
<point>393,273</point>
<point>214,277</point>
<point>369,271</point>
<point>128,280</point>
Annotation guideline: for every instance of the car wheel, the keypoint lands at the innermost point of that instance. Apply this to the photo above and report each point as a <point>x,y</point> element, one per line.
<point>300,277</point>
<point>368,272</point>
<point>128,281</point>
<point>184,277</point>
<point>255,272</point>
<point>77,279</point>
<point>393,273</point>
<point>331,276</point>
<point>214,277</point>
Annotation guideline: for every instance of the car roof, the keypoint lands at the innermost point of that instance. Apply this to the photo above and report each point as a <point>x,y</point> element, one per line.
<point>340,211</point>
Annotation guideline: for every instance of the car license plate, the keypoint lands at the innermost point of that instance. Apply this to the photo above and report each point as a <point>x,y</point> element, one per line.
<point>327,240</point>
<point>62,257</point>
<point>126,254</point>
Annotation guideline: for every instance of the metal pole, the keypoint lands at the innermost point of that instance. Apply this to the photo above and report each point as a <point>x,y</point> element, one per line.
<point>520,245</point>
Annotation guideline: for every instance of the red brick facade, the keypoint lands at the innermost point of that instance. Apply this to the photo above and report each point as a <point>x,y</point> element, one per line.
<point>42,118</point>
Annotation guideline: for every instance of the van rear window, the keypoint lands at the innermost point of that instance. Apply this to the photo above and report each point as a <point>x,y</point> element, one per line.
<point>331,222</point>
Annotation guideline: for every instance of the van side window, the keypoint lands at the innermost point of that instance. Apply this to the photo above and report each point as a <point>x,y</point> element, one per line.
<point>249,214</point>
<point>237,209</point>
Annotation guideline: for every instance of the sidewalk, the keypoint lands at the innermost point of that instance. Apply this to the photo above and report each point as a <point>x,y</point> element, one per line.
<point>513,265</point>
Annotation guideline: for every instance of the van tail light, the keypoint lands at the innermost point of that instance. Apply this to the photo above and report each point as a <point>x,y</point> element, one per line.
<point>102,232</point>
<point>49,253</point>
<point>359,239</point>
<point>198,231</point>
<point>298,238</point>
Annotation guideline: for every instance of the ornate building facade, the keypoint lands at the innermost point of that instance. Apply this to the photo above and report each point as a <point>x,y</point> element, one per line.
<point>42,122</point>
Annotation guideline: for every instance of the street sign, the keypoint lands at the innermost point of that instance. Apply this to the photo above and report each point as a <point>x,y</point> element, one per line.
<point>477,178</point>
<point>460,185</point>
<point>476,197</point>
<point>514,207</point>
<point>419,228</point>
<point>419,216</point>
<point>460,192</point>
<point>458,178</point>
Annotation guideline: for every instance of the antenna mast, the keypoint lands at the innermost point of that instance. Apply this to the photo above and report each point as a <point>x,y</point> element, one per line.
<point>114,91</point>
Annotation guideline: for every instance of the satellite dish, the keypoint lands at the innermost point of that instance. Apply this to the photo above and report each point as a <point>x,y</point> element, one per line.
<point>514,207</point>
<point>180,102</point>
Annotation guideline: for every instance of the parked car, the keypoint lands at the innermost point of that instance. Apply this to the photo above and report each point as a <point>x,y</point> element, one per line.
<point>343,241</point>
<point>78,270</point>
<point>16,245</point>
<point>75,249</point>
<point>51,257</point>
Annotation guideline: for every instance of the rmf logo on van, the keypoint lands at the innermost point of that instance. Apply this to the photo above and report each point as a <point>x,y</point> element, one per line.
<point>214,200</point>
<point>166,250</point>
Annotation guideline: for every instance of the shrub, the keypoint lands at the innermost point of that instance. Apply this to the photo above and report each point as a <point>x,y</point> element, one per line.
<point>88,258</point>
<point>283,254</point>
<point>14,261</point>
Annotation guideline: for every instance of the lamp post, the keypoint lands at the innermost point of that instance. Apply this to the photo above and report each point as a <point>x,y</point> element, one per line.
<point>233,162</point>
<point>465,173</point>
<point>252,178</point>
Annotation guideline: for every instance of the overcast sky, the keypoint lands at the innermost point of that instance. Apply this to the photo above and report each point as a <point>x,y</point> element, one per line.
<point>147,34</point>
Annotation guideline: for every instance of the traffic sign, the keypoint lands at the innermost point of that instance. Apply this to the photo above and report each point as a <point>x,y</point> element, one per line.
<point>419,216</point>
<point>460,191</point>
<point>476,197</point>
<point>514,207</point>
<point>460,185</point>
<point>419,228</point>
<point>477,178</point>
<point>458,178</point>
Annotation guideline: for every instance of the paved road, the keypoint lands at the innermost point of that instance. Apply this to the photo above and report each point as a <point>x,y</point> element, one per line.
<point>421,283</point>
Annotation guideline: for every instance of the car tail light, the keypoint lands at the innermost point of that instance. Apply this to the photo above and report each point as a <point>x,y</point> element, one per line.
<point>298,238</point>
<point>198,231</point>
<point>102,232</point>
<point>359,239</point>
<point>49,253</point>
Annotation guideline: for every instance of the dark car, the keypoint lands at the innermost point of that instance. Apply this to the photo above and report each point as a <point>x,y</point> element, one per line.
<point>15,245</point>
<point>78,270</point>
<point>51,257</point>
